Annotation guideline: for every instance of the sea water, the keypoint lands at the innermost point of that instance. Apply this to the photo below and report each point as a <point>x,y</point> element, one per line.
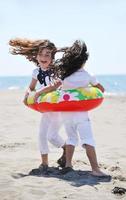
<point>113,84</point>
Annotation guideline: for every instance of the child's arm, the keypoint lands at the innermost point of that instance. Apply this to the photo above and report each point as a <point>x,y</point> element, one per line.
<point>95,83</point>
<point>99,86</point>
<point>47,89</point>
<point>30,88</point>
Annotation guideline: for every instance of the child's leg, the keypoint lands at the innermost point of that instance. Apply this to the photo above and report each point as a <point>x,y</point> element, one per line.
<point>87,141</point>
<point>62,160</point>
<point>71,142</point>
<point>43,139</point>
<point>90,151</point>
<point>44,159</point>
<point>53,130</point>
<point>69,155</point>
<point>54,137</point>
<point>43,146</point>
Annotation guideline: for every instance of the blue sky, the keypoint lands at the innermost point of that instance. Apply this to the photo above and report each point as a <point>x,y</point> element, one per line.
<point>100,23</point>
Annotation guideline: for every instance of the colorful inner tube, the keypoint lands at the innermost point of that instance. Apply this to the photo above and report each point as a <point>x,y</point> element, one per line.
<point>80,99</point>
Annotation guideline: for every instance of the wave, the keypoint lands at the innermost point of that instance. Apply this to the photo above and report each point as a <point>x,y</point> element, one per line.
<point>115,85</point>
<point>115,94</point>
<point>14,88</point>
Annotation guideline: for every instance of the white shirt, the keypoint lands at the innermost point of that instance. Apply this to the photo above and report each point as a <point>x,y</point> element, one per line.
<point>35,73</point>
<point>80,78</point>
<point>47,79</point>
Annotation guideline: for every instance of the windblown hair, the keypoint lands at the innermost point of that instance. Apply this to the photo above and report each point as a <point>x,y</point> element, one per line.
<point>30,48</point>
<point>73,59</point>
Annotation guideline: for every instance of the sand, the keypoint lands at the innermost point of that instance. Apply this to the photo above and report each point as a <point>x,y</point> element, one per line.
<point>19,154</point>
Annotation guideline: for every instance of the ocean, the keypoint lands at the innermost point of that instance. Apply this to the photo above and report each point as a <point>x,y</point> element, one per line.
<point>114,84</point>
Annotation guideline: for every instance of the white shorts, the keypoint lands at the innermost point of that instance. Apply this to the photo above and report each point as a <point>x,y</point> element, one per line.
<point>77,124</point>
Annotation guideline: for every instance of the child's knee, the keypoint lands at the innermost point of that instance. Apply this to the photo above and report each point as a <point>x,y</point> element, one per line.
<point>73,142</point>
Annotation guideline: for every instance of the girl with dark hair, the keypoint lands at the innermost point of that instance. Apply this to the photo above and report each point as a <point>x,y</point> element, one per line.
<point>41,53</point>
<point>70,68</point>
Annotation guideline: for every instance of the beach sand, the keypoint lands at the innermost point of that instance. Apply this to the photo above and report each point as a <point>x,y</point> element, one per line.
<point>19,154</point>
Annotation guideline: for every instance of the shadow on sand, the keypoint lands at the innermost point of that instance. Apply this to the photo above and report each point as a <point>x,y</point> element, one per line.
<point>76,178</point>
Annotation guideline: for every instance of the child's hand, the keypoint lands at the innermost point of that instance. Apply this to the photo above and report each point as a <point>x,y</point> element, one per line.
<point>37,94</point>
<point>57,83</point>
<point>99,86</point>
<point>25,97</point>
<point>25,100</point>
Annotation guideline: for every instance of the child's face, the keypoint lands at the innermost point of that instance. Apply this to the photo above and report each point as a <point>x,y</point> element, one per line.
<point>44,58</point>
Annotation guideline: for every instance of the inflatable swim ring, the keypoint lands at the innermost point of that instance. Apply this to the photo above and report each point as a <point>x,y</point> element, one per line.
<point>80,99</point>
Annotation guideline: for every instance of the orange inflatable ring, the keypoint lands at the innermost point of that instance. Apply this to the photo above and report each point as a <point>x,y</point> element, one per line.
<point>80,99</point>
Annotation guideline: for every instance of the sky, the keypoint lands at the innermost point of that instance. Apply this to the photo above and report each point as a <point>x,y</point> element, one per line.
<point>100,23</point>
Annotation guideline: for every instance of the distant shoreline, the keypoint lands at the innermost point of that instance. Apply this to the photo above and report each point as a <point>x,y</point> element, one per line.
<point>1,76</point>
<point>113,84</point>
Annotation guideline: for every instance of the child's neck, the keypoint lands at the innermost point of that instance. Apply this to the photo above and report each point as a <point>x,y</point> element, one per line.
<point>44,69</point>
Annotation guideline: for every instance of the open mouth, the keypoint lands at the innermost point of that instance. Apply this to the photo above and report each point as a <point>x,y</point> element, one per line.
<point>43,62</point>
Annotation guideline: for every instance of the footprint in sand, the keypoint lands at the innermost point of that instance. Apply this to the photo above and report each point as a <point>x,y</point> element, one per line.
<point>11,145</point>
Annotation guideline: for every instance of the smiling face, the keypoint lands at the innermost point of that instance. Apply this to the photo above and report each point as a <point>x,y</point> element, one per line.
<point>44,58</point>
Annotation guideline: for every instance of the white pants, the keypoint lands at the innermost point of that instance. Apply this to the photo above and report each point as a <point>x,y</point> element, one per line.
<point>77,124</point>
<point>48,131</point>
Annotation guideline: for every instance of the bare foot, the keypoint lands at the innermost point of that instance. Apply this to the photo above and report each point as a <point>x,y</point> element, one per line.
<point>99,173</point>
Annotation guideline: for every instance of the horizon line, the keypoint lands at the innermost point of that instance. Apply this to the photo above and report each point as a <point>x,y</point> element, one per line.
<point>105,74</point>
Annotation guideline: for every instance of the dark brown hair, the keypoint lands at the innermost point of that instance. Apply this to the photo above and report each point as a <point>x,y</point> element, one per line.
<point>73,58</point>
